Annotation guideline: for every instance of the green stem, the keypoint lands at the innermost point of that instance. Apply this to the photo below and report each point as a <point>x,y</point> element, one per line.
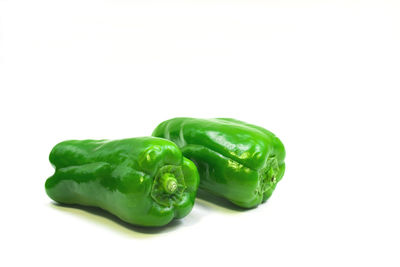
<point>169,183</point>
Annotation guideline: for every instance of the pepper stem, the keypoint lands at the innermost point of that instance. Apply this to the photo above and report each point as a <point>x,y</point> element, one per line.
<point>169,183</point>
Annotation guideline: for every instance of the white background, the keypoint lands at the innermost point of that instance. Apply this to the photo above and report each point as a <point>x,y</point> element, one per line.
<point>322,75</point>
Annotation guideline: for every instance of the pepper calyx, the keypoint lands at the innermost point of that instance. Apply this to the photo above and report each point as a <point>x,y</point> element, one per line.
<point>168,186</point>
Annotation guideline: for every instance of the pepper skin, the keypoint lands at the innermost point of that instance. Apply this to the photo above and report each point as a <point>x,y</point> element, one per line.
<point>144,181</point>
<point>236,160</point>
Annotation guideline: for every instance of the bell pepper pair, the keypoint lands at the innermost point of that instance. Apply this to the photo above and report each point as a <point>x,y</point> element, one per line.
<point>149,181</point>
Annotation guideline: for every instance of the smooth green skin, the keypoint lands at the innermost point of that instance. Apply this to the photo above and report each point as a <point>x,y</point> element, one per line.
<point>119,176</point>
<point>236,160</point>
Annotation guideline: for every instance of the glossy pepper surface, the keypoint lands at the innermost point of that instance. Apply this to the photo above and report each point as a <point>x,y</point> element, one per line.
<point>144,181</point>
<point>236,160</point>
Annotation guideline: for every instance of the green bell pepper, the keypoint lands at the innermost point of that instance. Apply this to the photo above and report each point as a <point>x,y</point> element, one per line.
<point>236,160</point>
<point>144,181</point>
